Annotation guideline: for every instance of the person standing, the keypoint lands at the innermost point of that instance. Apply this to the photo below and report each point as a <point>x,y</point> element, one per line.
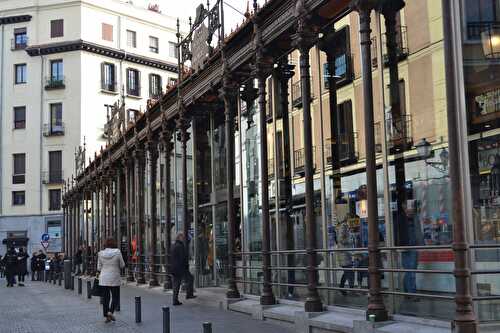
<point>40,265</point>
<point>109,265</point>
<point>79,261</point>
<point>1,266</point>
<point>33,265</point>
<point>22,261</point>
<point>180,269</point>
<point>11,266</point>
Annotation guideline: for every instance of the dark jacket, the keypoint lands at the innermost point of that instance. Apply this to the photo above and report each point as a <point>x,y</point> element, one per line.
<point>33,262</point>
<point>180,263</point>
<point>22,258</point>
<point>40,262</point>
<point>78,257</point>
<point>10,261</point>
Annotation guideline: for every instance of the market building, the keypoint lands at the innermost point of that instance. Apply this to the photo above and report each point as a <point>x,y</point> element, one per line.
<point>327,152</point>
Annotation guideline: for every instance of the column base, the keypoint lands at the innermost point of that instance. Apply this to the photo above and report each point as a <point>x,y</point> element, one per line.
<point>267,300</point>
<point>380,314</point>
<point>313,305</point>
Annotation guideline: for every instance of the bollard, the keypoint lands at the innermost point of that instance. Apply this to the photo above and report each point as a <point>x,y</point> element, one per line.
<point>207,327</point>
<point>67,274</point>
<point>138,309</point>
<point>166,319</point>
<point>89,290</point>
<point>79,286</point>
<point>72,281</point>
<point>60,278</point>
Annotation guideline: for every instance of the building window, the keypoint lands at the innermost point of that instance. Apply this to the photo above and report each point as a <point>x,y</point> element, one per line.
<point>133,82</point>
<point>55,167</point>
<point>108,82</point>
<point>341,72</point>
<point>56,78</point>
<point>21,73</point>
<point>481,15</point>
<point>131,39</point>
<point>19,117</point>
<point>153,44</point>
<point>172,50</point>
<point>19,173</point>
<point>56,124</point>
<point>154,86</point>
<point>18,198</point>
<point>55,199</point>
<point>107,32</point>
<point>56,28</point>
<point>172,82</point>
<point>20,38</point>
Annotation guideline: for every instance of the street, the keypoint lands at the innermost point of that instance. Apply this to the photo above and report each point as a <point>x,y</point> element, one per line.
<point>42,308</point>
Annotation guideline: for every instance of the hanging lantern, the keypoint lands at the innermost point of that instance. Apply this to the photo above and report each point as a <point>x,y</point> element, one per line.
<point>491,41</point>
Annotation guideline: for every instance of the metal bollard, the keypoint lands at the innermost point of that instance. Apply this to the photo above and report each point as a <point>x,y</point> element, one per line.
<point>207,327</point>
<point>89,290</point>
<point>67,274</point>
<point>138,309</point>
<point>59,275</point>
<point>72,281</point>
<point>80,286</point>
<point>166,319</point>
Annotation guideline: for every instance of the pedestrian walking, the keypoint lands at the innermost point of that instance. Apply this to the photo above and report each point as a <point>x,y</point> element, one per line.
<point>79,261</point>
<point>109,265</point>
<point>22,262</point>
<point>180,269</point>
<point>11,266</point>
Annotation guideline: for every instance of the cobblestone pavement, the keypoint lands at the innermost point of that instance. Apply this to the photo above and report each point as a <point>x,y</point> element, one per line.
<point>45,308</point>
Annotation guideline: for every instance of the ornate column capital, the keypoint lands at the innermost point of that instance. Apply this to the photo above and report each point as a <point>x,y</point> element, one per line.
<point>182,123</point>
<point>305,37</point>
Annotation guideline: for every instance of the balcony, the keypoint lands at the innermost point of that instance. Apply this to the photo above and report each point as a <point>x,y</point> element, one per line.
<point>401,48</point>
<point>299,160</point>
<point>53,129</point>
<point>398,134</point>
<point>344,73</point>
<point>346,147</point>
<point>52,177</point>
<point>55,82</point>
<point>109,87</point>
<point>475,29</point>
<point>18,43</point>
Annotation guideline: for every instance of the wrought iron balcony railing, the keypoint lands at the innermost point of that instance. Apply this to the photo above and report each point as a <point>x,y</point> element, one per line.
<point>18,43</point>
<point>109,86</point>
<point>299,160</point>
<point>53,129</point>
<point>52,177</point>
<point>55,82</point>
<point>401,48</point>
<point>347,148</point>
<point>398,134</point>
<point>296,94</point>
<point>475,29</point>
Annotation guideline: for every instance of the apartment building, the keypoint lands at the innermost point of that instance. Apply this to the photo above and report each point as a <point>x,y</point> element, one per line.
<point>62,64</point>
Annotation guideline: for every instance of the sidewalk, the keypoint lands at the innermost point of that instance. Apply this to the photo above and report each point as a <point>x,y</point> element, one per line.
<point>42,308</point>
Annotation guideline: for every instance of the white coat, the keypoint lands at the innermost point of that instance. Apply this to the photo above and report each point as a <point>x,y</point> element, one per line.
<point>109,263</point>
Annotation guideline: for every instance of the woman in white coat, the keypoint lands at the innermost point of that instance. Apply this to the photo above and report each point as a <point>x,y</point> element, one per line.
<point>109,264</point>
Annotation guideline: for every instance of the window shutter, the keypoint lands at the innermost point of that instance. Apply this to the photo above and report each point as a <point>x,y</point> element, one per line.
<point>103,78</point>
<point>56,28</point>
<point>138,77</point>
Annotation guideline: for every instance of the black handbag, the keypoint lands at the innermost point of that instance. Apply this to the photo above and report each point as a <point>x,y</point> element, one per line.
<point>97,290</point>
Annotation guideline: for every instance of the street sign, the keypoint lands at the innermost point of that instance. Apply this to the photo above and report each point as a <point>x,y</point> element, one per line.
<point>45,244</point>
<point>45,237</point>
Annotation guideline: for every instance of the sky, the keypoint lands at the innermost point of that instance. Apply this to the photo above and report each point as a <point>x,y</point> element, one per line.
<point>186,8</point>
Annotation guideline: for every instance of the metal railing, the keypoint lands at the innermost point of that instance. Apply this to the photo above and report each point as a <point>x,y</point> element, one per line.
<point>18,44</point>
<point>53,129</point>
<point>55,82</point>
<point>299,159</point>
<point>346,146</point>
<point>53,177</point>
<point>401,48</point>
<point>475,29</point>
<point>398,134</point>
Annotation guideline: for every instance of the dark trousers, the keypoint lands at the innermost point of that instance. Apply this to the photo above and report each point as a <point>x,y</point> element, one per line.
<point>11,278</point>
<point>347,276</point>
<point>177,280</point>
<point>110,293</point>
<point>20,278</point>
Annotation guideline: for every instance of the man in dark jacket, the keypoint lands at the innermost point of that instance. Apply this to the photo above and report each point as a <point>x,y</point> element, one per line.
<point>22,261</point>
<point>33,262</point>
<point>40,265</point>
<point>11,266</point>
<point>180,269</point>
<point>79,261</point>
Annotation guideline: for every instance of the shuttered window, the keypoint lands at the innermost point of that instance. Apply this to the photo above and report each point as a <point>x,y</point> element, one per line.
<point>131,39</point>
<point>154,85</point>
<point>55,166</point>
<point>56,28</point>
<point>108,81</point>
<point>18,198</point>
<point>133,82</point>
<point>107,32</point>
<point>19,117</point>
<point>153,44</point>
<point>19,172</point>
<point>55,199</point>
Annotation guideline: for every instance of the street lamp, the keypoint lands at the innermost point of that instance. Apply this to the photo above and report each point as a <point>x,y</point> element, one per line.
<point>424,150</point>
<point>491,41</point>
